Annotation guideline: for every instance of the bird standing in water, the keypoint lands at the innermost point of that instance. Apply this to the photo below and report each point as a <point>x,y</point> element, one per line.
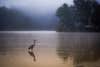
<point>31,52</point>
<point>33,45</point>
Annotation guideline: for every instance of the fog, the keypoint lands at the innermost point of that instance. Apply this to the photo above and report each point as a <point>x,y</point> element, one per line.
<point>38,6</point>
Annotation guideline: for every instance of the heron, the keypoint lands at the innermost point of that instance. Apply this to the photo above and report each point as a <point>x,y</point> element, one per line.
<point>32,46</point>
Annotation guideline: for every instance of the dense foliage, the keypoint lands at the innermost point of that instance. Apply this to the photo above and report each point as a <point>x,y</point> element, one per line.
<point>83,16</point>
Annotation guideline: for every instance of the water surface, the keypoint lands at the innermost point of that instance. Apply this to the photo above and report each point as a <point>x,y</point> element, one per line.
<point>52,49</point>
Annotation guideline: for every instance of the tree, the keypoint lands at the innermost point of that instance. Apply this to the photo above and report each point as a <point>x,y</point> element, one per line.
<point>84,11</point>
<point>96,17</point>
<point>64,14</point>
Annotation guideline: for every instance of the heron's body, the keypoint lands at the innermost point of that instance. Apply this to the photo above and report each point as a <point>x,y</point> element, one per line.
<point>32,46</point>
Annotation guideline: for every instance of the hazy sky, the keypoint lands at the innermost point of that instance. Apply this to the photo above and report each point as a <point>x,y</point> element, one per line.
<point>42,6</point>
<point>36,6</point>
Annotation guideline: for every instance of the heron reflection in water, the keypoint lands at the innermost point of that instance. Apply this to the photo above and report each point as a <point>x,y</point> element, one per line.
<point>31,51</point>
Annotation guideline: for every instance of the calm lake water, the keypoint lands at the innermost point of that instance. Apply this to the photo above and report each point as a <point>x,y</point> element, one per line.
<point>53,49</point>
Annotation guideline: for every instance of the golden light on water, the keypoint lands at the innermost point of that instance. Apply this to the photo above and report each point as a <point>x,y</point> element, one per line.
<point>53,49</point>
<point>22,58</point>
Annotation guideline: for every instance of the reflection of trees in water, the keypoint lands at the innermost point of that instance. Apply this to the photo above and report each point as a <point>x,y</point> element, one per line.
<point>81,48</point>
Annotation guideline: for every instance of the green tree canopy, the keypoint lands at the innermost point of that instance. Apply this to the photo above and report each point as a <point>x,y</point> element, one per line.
<point>64,14</point>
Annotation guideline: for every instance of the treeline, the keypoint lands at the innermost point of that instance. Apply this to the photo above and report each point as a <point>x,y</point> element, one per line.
<point>11,19</point>
<point>83,16</point>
